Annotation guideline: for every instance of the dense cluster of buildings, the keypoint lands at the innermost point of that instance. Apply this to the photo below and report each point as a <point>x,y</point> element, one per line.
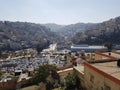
<point>54,56</point>
<point>96,68</point>
<point>21,63</point>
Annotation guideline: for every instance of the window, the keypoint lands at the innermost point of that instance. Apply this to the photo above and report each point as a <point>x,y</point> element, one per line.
<point>107,87</point>
<point>102,88</point>
<point>91,78</point>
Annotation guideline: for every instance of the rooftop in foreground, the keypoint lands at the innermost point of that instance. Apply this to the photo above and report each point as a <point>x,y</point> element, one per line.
<point>110,68</point>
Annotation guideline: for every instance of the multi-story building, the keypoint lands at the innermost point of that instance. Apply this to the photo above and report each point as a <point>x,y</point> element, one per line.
<point>100,75</point>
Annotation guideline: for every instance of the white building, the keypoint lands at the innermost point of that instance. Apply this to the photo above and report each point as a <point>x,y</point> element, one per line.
<point>87,48</point>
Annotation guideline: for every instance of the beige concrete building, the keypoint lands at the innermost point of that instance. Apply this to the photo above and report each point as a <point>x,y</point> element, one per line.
<point>99,76</point>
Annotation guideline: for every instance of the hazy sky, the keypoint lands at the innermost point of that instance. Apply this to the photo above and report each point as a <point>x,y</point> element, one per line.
<point>59,11</point>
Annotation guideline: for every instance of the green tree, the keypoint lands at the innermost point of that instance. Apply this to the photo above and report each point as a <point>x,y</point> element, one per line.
<point>39,48</point>
<point>46,74</point>
<point>72,82</point>
<point>0,73</point>
<point>108,45</point>
<point>42,46</point>
<point>0,52</point>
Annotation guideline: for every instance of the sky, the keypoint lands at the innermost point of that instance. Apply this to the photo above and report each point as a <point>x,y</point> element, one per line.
<point>59,11</point>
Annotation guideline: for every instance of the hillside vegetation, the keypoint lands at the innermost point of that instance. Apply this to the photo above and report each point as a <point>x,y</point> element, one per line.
<point>19,35</point>
<point>108,31</point>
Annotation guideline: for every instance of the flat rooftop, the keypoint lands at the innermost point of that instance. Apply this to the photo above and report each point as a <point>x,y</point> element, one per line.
<point>110,68</point>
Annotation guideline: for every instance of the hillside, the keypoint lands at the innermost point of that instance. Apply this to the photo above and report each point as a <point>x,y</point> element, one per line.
<point>54,27</point>
<point>69,30</point>
<point>108,31</point>
<point>19,35</point>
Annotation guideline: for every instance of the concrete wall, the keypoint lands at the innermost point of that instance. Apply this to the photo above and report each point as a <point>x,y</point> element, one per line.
<point>81,77</point>
<point>9,85</point>
<point>63,74</point>
<point>98,81</point>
